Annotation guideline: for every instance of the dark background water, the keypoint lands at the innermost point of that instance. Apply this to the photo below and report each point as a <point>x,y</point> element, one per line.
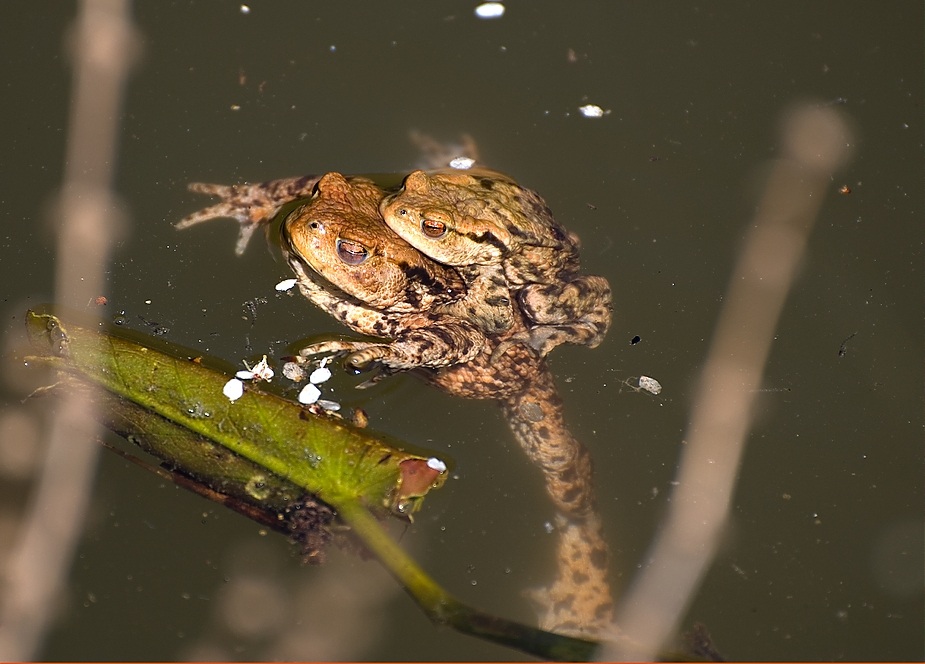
<point>824,559</point>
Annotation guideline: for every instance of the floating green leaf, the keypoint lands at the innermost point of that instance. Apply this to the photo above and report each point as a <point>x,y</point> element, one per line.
<point>328,458</point>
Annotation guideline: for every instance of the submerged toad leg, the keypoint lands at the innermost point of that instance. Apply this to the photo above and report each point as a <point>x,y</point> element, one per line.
<point>579,601</point>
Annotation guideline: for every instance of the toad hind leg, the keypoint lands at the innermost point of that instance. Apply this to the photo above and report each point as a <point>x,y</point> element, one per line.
<point>578,312</point>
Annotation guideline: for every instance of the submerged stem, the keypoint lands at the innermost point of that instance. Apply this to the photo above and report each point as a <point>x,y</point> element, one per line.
<point>444,609</point>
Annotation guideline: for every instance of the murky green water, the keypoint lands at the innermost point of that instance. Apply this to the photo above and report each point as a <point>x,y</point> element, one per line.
<point>825,556</point>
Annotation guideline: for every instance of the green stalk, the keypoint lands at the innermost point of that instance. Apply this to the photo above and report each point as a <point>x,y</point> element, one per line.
<point>444,609</point>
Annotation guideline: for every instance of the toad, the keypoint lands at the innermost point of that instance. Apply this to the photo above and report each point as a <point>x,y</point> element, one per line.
<point>374,282</point>
<point>503,239</point>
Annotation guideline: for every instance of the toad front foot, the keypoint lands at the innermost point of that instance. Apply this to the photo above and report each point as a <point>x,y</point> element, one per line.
<point>423,347</point>
<point>251,205</point>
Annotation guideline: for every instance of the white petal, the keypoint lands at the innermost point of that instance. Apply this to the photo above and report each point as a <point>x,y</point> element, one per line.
<point>286,284</point>
<point>262,370</point>
<point>233,389</point>
<point>309,394</point>
<point>592,111</point>
<point>462,163</point>
<point>319,375</point>
<point>245,375</point>
<point>436,464</point>
<point>490,10</point>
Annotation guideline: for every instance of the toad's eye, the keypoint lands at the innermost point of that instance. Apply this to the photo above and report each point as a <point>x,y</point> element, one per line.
<point>352,253</point>
<point>433,228</point>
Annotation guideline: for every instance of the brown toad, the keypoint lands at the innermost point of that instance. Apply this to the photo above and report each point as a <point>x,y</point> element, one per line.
<point>382,286</point>
<point>503,239</point>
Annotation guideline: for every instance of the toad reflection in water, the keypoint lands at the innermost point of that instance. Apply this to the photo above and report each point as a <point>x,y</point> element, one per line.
<point>351,265</point>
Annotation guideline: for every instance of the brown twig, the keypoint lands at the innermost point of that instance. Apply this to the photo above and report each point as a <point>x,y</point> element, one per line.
<point>815,143</point>
<point>103,45</point>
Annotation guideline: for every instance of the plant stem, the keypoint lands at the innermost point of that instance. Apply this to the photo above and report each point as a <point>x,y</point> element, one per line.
<point>444,609</point>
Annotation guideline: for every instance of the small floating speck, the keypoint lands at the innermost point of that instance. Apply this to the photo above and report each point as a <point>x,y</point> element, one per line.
<point>592,111</point>
<point>462,163</point>
<point>286,284</point>
<point>309,394</point>
<point>650,385</point>
<point>245,9</point>
<point>436,464</point>
<point>233,389</point>
<point>490,10</point>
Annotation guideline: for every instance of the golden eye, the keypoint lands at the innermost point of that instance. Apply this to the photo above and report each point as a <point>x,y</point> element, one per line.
<point>352,253</point>
<point>433,229</point>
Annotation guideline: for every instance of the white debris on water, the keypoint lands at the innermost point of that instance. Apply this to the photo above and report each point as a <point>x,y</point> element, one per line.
<point>592,111</point>
<point>488,10</point>
<point>260,371</point>
<point>436,464</point>
<point>294,372</point>
<point>309,394</point>
<point>650,384</point>
<point>286,284</point>
<point>319,375</point>
<point>462,163</point>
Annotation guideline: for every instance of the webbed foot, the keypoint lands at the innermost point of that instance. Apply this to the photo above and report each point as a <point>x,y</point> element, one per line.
<point>251,205</point>
<point>576,312</point>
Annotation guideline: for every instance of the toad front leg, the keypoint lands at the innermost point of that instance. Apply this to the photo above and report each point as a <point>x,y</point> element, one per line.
<point>427,346</point>
<point>252,205</point>
<point>419,339</point>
